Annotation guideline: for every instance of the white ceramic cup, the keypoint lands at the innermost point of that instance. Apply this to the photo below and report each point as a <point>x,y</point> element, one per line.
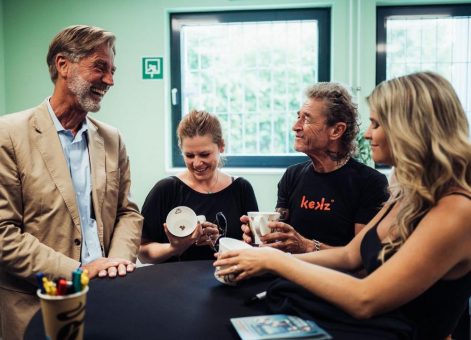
<point>201,218</point>
<point>258,223</point>
<point>181,221</point>
<point>227,244</point>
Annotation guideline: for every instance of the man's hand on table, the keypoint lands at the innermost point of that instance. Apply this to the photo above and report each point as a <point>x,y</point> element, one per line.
<point>110,267</point>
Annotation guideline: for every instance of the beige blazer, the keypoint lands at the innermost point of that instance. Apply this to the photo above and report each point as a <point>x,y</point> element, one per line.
<point>39,219</point>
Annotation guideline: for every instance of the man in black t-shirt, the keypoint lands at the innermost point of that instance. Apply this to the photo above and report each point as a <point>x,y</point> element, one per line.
<point>324,202</point>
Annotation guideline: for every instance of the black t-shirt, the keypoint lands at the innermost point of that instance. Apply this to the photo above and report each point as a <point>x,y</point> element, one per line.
<point>234,201</point>
<point>326,206</point>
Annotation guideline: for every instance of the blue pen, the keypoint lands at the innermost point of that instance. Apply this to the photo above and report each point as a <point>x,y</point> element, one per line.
<point>39,278</point>
<point>70,288</point>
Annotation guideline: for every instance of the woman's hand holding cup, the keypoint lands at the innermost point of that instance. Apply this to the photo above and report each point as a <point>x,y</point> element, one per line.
<point>209,234</point>
<point>180,244</point>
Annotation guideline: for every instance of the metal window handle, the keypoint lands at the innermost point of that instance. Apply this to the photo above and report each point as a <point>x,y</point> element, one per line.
<point>355,89</point>
<point>174,97</point>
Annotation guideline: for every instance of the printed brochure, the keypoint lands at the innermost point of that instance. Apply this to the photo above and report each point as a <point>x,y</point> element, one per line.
<point>277,326</point>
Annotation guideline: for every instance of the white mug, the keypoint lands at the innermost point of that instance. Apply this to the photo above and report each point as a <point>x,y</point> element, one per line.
<point>258,223</point>
<point>227,244</point>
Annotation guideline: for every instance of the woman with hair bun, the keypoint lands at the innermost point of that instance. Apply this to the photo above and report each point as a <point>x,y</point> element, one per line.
<point>203,187</point>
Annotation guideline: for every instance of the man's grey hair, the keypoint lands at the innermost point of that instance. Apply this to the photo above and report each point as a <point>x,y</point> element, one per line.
<point>76,42</point>
<point>339,107</point>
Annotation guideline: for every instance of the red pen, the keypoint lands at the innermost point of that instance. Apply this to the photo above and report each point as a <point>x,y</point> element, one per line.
<point>62,287</point>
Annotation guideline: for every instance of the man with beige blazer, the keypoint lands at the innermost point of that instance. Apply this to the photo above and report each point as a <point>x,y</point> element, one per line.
<point>64,181</point>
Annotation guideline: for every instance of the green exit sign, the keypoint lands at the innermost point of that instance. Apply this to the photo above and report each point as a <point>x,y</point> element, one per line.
<point>152,68</point>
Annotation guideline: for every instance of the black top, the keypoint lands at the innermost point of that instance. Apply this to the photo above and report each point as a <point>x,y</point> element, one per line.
<point>436,311</point>
<point>326,206</point>
<point>234,201</point>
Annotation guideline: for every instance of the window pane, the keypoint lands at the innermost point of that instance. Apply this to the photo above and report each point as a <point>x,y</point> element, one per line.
<point>253,72</point>
<point>433,43</point>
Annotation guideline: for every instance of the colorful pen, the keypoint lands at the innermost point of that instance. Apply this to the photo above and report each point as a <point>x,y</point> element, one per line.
<point>61,286</point>
<point>84,279</point>
<point>47,285</point>
<point>76,280</point>
<point>39,278</point>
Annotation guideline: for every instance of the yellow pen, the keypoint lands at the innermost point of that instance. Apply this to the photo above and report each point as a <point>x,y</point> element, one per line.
<point>84,279</point>
<point>47,285</point>
<point>53,289</point>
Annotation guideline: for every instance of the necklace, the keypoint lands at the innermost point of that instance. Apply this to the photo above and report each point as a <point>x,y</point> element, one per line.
<point>214,184</point>
<point>337,166</point>
<point>342,162</point>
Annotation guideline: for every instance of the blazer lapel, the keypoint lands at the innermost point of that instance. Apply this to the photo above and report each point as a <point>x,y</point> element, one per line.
<point>96,149</point>
<point>49,146</point>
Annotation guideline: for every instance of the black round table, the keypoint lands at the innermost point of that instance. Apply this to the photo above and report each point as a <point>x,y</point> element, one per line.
<point>180,300</point>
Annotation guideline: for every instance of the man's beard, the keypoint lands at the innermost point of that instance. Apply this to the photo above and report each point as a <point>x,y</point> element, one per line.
<point>81,88</point>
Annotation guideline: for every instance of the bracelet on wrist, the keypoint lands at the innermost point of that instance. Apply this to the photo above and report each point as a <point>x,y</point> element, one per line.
<point>317,245</point>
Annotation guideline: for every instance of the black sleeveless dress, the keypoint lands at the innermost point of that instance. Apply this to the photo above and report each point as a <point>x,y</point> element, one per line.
<point>436,311</point>
<point>432,315</point>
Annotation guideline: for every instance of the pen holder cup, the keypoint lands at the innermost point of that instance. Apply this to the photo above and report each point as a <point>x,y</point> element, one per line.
<point>63,316</point>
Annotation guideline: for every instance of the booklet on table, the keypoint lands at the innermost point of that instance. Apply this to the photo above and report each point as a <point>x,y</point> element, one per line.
<point>277,326</point>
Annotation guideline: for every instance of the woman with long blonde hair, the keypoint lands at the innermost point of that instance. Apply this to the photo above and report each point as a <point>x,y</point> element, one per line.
<point>417,250</point>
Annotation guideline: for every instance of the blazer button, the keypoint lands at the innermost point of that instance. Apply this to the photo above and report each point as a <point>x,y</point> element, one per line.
<point>77,242</point>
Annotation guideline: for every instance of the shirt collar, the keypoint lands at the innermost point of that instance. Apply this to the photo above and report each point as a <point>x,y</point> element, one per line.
<point>58,125</point>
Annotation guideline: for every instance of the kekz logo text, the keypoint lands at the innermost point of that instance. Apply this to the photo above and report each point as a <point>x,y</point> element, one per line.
<point>316,205</point>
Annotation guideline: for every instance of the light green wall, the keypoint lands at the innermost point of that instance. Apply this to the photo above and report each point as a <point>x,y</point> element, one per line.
<point>140,108</point>
<point>2,63</point>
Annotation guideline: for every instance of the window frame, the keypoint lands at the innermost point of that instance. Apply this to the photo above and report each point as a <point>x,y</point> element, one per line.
<point>178,20</point>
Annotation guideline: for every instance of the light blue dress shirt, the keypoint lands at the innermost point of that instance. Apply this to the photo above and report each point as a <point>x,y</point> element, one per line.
<point>76,154</point>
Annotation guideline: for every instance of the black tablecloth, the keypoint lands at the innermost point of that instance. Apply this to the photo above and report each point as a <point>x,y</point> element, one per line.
<point>179,300</point>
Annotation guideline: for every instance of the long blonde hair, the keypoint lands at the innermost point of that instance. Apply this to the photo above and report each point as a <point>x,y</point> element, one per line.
<point>427,131</point>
